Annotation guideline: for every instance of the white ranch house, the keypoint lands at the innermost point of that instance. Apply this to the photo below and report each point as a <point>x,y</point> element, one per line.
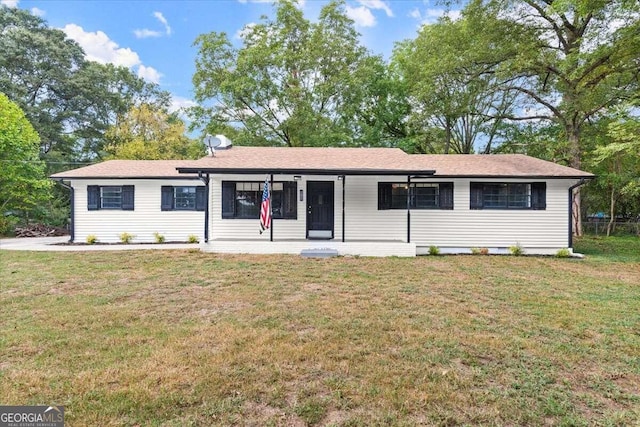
<point>353,201</point>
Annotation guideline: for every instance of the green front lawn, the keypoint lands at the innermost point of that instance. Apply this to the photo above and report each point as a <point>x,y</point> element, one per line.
<point>181,338</point>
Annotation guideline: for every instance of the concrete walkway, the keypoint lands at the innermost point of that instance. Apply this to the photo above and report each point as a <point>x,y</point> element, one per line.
<point>50,244</point>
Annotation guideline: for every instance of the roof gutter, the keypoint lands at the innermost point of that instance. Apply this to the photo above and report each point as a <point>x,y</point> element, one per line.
<point>300,171</point>
<point>72,198</point>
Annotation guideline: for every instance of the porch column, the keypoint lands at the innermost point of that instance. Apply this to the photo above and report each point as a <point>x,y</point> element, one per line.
<point>344,177</point>
<point>271,208</point>
<point>408,208</point>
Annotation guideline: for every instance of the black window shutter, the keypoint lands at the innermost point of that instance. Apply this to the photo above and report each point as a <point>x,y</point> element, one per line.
<point>539,195</point>
<point>475,191</point>
<point>201,198</point>
<point>446,195</point>
<point>290,200</point>
<point>166,199</point>
<point>228,199</point>
<point>384,195</point>
<point>127,197</point>
<point>93,197</point>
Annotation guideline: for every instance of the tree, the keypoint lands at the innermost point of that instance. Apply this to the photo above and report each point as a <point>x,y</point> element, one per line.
<point>148,133</point>
<point>23,184</point>
<point>293,82</point>
<point>68,100</point>
<point>617,163</point>
<point>36,64</point>
<point>455,96</point>
<point>577,60</point>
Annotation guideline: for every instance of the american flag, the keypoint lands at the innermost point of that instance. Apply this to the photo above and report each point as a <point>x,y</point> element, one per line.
<point>265,208</point>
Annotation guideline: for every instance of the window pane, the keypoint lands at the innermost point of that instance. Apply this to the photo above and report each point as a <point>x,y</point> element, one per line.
<point>185,198</point>
<point>507,196</point>
<point>495,196</point>
<point>398,196</point>
<point>111,197</point>
<point>248,203</point>
<point>519,196</point>
<point>425,196</point>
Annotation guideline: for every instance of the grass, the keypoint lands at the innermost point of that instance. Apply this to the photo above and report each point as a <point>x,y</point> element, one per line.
<point>179,338</point>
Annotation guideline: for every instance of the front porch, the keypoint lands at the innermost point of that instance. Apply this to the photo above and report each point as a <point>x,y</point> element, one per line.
<point>373,248</point>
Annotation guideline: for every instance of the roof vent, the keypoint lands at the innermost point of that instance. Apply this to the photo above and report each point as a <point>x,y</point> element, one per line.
<point>220,142</point>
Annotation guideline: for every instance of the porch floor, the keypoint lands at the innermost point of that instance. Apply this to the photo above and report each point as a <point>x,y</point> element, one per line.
<point>380,248</point>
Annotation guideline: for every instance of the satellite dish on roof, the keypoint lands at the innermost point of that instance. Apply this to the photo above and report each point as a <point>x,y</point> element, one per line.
<point>212,142</point>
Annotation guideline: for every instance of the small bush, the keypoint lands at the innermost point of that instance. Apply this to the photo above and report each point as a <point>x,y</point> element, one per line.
<point>193,239</point>
<point>92,239</point>
<point>516,250</point>
<point>159,237</point>
<point>563,253</point>
<point>480,251</point>
<point>126,238</point>
<point>8,224</point>
<point>434,250</point>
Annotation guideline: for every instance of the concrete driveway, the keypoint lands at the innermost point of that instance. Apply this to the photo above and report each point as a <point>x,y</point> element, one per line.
<point>51,244</point>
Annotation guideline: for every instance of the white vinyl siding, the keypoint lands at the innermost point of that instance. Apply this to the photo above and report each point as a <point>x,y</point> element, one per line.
<point>494,228</point>
<point>146,218</point>
<point>461,227</point>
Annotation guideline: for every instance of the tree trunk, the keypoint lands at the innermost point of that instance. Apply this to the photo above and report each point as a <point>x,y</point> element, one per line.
<point>573,135</point>
<point>612,212</point>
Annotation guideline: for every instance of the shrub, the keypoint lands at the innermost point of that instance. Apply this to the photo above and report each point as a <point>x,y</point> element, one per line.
<point>126,238</point>
<point>480,251</point>
<point>563,253</point>
<point>8,224</point>
<point>159,237</point>
<point>516,250</point>
<point>193,239</point>
<point>92,239</point>
<point>434,250</point>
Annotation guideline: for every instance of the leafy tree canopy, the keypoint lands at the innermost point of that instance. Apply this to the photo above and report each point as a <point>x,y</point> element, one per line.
<point>292,82</point>
<point>148,133</point>
<point>23,183</point>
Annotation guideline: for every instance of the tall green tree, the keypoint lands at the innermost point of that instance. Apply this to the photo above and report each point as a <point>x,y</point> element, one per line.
<point>149,133</point>
<point>449,69</point>
<point>616,160</point>
<point>23,183</point>
<point>69,101</point>
<point>577,60</point>
<point>292,82</point>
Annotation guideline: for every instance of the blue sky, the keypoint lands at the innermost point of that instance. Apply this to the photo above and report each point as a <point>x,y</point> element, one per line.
<point>155,38</point>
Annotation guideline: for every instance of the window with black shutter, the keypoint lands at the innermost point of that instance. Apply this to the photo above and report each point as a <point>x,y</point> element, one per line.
<point>242,200</point>
<point>508,195</point>
<point>110,197</point>
<point>423,195</point>
<point>183,198</point>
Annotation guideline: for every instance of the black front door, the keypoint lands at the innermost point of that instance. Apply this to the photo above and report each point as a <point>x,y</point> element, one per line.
<point>320,209</point>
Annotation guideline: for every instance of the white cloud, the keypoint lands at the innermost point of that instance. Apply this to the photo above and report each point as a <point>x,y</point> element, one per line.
<point>9,3</point>
<point>160,17</point>
<point>244,31</point>
<point>38,12</point>
<point>100,48</point>
<point>377,4</point>
<point>146,33</point>
<point>300,3</point>
<point>361,15</point>
<point>150,74</point>
<point>429,16</point>
<point>179,103</point>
